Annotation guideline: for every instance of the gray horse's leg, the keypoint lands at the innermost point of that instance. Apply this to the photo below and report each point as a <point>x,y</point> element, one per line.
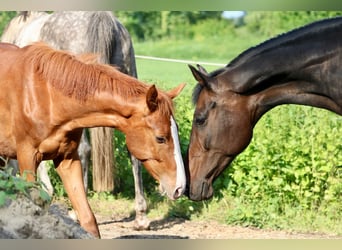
<point>84,150</point>
<point>13,164</point>
<point>141,221</point>
<point>42,173</point>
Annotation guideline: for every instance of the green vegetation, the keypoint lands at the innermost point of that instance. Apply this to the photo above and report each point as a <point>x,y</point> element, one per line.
<point>12,186</point>
<point>5,17</point>
<point>290,175</point>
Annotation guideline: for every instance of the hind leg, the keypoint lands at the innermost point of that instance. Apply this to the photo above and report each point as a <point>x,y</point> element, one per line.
<point>141,221</point>
<point>70,171</point>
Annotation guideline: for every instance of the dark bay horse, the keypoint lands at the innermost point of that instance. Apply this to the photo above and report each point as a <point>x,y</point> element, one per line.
<point>48,96</point>
<point>302,67</point>
<point>83,32</point>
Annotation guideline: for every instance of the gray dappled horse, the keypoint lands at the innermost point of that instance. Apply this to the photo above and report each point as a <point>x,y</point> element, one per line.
<point>85,32</point>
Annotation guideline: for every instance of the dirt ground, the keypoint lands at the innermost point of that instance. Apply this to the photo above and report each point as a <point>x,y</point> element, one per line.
<point>22,218</point>
<point>118,224</point>
<point>175,228</point>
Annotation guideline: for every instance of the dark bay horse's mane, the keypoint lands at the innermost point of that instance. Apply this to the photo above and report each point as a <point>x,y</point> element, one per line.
<point>276,60</point>
<point>288,38</point>
<point>76,78</point>
<point>254,72</point>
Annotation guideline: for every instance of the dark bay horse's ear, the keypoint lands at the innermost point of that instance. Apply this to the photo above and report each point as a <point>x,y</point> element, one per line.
<point>175,92</point>
<point>152,98</point>
<point>201,69</point>
<point>200,75</point>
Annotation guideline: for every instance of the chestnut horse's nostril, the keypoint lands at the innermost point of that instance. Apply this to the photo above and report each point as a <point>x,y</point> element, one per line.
<point>178,192</point>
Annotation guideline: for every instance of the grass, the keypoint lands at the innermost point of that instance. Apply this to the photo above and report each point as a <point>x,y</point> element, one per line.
<point>212,49</point>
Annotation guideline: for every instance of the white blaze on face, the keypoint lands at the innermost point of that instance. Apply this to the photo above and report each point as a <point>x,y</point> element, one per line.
<point>181,179</point>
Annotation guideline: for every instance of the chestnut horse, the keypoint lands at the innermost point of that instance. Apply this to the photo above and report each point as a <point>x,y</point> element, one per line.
<point>300,67</point>
<point>48,96</point>
<point>80,32</point>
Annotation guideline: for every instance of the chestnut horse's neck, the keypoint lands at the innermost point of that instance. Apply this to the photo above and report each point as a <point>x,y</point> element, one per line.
<point>300,67</point>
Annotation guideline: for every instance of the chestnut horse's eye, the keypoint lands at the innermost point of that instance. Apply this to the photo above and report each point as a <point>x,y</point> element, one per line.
<point>160,139</point>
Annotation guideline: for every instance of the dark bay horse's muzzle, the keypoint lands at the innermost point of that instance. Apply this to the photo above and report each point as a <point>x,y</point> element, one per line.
<point>200,185</point>
<point>200,190</point>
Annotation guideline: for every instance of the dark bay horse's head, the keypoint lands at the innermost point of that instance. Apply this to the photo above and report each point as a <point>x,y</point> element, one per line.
<point>152,137</point>
<point>222,128</point>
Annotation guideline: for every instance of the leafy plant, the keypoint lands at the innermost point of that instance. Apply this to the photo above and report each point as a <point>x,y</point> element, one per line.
<point>287,163</point>
<point>11,186</point>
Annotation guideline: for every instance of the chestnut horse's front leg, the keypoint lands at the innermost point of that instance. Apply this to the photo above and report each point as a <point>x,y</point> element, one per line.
<point>70,171</point>
<point>28,162</point>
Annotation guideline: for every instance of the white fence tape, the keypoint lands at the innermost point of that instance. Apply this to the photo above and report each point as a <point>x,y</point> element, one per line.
<point>178,60</point>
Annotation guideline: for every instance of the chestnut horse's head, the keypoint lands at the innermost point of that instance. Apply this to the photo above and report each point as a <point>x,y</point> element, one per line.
<point>221,129</point>
<point>152,137</point>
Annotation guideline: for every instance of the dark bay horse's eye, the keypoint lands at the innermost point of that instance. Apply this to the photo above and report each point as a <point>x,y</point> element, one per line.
<point>212,105</point>
<point>200,120</point>
<point>160,139</point>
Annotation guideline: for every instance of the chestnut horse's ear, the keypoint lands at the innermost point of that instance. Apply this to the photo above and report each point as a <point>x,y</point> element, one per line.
<point>175,92</point>
<point>200,75</point>
<point>152,98</point>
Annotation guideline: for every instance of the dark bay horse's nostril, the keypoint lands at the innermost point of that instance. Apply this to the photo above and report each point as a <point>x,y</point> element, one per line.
<point>205,193</point>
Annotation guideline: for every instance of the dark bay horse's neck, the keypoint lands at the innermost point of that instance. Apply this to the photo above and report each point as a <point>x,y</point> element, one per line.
<point>302,67</point>
<point>296,92</point>
<point>316,83</point>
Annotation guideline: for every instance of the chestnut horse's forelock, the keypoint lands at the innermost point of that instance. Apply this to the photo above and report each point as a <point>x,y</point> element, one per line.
<point>77,78</point>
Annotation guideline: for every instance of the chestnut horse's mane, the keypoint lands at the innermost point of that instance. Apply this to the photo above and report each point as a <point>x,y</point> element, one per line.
<point>74,77</point>
<point>80,77</point>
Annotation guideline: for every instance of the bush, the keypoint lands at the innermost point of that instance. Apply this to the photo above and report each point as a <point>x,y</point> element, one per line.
<point>11,186</point>
<point>293,161</point>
